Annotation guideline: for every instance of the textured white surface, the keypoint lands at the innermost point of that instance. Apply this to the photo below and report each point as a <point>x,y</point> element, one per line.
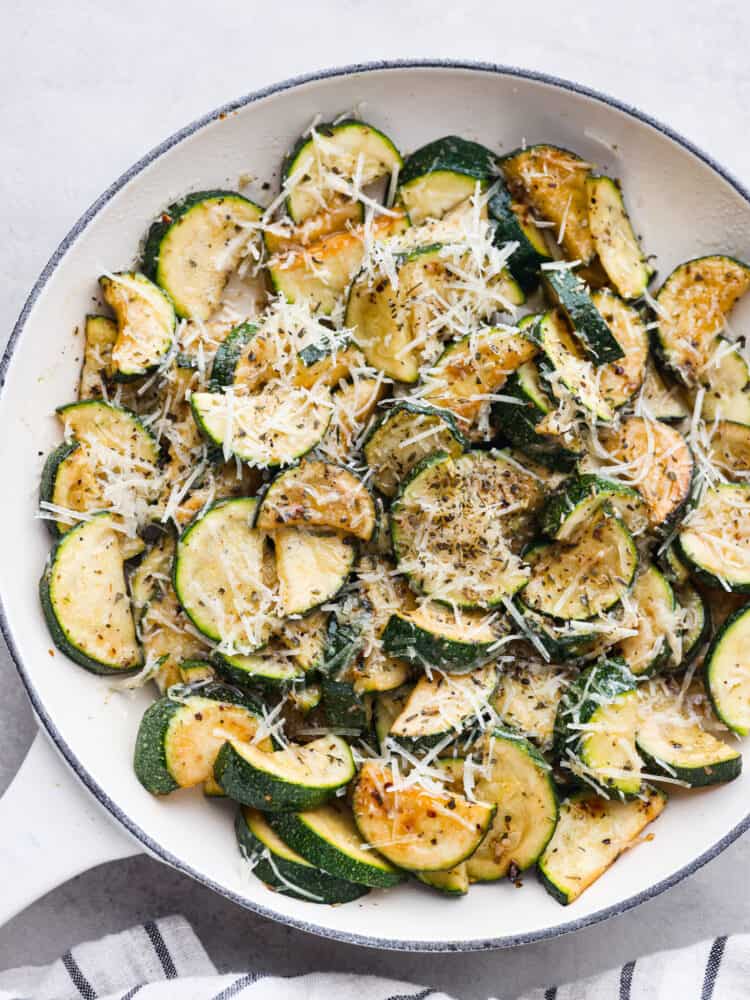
<point>87,92</point>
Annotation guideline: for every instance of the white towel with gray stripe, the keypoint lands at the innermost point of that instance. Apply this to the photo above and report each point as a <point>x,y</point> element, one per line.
<point>164,960</point>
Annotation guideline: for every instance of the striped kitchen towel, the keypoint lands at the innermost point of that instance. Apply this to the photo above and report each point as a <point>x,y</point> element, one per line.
<point>164,959</point>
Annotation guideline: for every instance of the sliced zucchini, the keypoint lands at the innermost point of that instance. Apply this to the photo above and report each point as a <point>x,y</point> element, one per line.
<point>656,623</point>
<point>586,576</point>
<point>179,739</point>
<point>344,708</point>
<point>311,568</point>
<point>405,434</point>
<point>85,599</point>
<point>553,182</point>
<point>562,640</point>
<point>694,615</point>
<point>726,380</point>
<point>272,667</point>
<point>306,638</point>
<point>727,672</point>
<point>591,834</point>
<point>328,838</point>
<point>527,700</point>
<point>296,778</point>
<point>572,295</point>
<point>615,242</point>
<point>443,705</point>
<point>683,750</point>
<point>325,163</point>
<point>307,698</point>
<point>515,776</point>
<point>445,638</point>
<point>413,827</point>
<point>275,426</point>
<point>353,407</point>
<point>196,672</point>
<point>564,359</point>
<point>223,576</point>
<point>656,459</point>
<point>282,869</point>
<point>100,335</point>
<point>595,727</point>
<point>729,449</point>
<point>692,308</point>
<point>442,174</point>
<point>104,426</point>
<point>470,370</point>
<point>452,523</point>
<point>620,380</point>
<point>317,494</point>
<point>340,215</point>
<point>571,507</point>
<point>661,400</point>
<point>715,540</point>
<point>452,883</point>
<point>145,323</point>
<point>231,363</point>
<point>212,790</point>
<point>195,245</point>
<point>515,224</point>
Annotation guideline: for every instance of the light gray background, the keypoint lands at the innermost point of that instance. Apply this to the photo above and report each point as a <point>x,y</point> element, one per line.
<point>86,87</point>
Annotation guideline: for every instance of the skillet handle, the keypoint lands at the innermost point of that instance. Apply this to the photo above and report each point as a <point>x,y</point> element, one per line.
<point>50,830</point>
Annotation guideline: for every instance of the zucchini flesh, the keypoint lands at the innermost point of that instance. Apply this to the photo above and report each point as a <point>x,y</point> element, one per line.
<point>582,578</point>
<point>686,752</point>
<point>696,622</point>
<point>324,164</point>
<point>272,666</point>
<point>387,708</point>
<point>340,215</point>
<point>715,539</point>
<point>620,380</point>
<point>353,406</point>
<point>311,568</point>
<point>553,182</point>
<point>655,623</point>
<point>727,385</point>
<point>729,448</point>
<point>516,777</point>
<point>197,243</point>
<point>616,243</point>
<point>298,777</point>
<point>564,359</point>
<point>453,883</point>
<point>413,827</point>
<point>444,704</point>
<point>527,700</point>
<point>101,425</point>
<point>572,295</point>
<point>590,835</point>
<point>85,600</point>
<point>577,500</point>
<point>450,534</point>
<point>726,672</point>
<point>145,323</point>
<point>440,637</point>
<point>661,400</point>
<point>657,460</point>
<point>281,868</point>
<point>306,638</point>
<point>224,578</point>
<point>404,435</point>
<point>442,174</point>
<point>317,494</point>
<point>692,308</point>
<point>100,335</point>
<point>328,838</point>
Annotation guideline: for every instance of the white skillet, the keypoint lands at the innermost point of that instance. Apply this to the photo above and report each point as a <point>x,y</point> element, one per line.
<point>683,204</point>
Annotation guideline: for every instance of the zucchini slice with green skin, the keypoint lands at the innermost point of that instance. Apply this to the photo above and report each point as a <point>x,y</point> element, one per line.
<point>99,424</point>
<point>443,705</point>
<point>692,307</point>
<point>582,578</point>
<point>442,174</point>
<point>178,741</point>
<point>272,667</point>
<point>727,673</point>
<point>196,671</point>
<point>328,838</point>
<point>674,568</point>
<point>656,622</point>
<point>514,224</point>
<point>196,244</point>
<point>285,871</point>
<point>439,637</point>
<point>715,541</point>
<point>274,426</point>
<point>527,700</point>
<point>571,507</point>
<point>306,637</point>
<point>553,182</point>
<point>563,640</point>
<point>614,239</point>
<point>727,385</point>
<point>229,355</point>
<point>334,153</point>
<point>306,698</point>
<point>686,752</point>
<point>603,700</point>
<point>344,708</point>
<point>339,216</point>
<point>405,434</point>
<point>730,449</point>
<point>590,327</point>
<point>620,380</point>
<point>146,323</point>
<point>317,494</point>
<point>660,464</point>
<point>311,568</point>
<point>56,482</point>
<point>472,369</point>
<point>451,883</point>
<point>100,335</point>
<point>518,779</point>
<point>450,534</point>
<point>662,400</point>
<point>289,780</point>
<point>85,599</point>
<point>563,358</point>
<point>591,834</point>
<point>696,623</point>
<point>224,578</point>
<point>413,827</point>
<point>387,707</point>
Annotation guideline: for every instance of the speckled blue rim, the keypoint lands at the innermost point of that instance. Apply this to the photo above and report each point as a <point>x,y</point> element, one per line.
<point>481,944</point>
